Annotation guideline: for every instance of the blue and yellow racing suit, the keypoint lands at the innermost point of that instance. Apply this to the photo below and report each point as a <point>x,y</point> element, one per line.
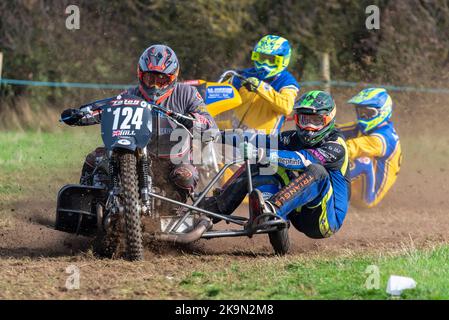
<point>267,108</point>
<point>375,162</point>
<point>311,187</point>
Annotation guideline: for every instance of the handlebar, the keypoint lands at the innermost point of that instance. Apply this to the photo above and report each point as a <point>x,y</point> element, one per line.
<point>170,113</point>
<point>96,105</point>
<point>228,73</point>
<point>79,113</point>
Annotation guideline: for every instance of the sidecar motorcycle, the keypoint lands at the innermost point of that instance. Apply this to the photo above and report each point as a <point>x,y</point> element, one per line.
<point>129,198</point>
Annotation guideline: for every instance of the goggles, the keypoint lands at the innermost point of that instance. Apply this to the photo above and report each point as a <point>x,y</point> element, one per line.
<point>366,113</point>
<point>271,60</point>
<point>157,79</point>
<point>313,122</point>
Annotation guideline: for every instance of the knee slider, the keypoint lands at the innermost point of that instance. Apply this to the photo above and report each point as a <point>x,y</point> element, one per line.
<point>185,177</point>
<point>91,158</point>
<point>318,171</point>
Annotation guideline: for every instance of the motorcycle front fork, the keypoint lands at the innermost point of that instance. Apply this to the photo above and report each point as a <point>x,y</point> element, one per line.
<point>145,181</point>
<point>112,204</point>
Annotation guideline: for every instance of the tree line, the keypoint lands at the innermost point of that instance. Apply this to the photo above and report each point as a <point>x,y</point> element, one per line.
<point>410,48</point>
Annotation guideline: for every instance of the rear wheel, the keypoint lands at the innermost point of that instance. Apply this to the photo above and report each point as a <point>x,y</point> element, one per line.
<point>130,201</point>
<point>280,241</point>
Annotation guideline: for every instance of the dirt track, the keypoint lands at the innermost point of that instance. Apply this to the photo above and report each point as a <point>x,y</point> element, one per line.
<point>414,212</point>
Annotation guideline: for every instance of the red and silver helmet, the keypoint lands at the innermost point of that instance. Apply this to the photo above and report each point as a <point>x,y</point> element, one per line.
<point>157,71</point>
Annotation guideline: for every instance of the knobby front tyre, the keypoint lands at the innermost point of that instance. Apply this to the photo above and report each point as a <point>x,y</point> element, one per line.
<point>130,201</point>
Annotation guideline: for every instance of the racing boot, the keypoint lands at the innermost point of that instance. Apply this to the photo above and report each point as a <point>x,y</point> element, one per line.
<point>261,211</point>
<point>210,204</point>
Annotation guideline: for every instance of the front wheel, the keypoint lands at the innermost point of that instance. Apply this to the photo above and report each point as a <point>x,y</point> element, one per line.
<point>280,241</point>
<point>130,201</point>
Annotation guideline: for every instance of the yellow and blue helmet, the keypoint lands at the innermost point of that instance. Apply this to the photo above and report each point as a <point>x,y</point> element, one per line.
<point>373,107</point>
<point>271,55</point>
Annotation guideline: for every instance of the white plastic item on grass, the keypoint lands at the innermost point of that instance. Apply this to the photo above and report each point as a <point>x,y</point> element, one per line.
<point>396,284</point>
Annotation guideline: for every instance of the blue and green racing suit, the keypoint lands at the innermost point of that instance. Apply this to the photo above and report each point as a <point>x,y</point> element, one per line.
<point>310,187</point>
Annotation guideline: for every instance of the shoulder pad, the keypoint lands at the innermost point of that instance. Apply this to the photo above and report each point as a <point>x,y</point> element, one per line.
<point>287,137</point>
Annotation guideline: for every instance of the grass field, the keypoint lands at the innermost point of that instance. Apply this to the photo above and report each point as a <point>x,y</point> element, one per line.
<point>32,162</point>
<point>326,278</point>
<point>291,277</point>
<point>35,165</point>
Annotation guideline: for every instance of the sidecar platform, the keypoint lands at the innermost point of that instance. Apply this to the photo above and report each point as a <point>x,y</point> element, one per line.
<point>76,209</point>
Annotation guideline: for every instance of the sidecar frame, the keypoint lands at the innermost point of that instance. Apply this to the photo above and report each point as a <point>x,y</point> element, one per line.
<point>247,228</point>
<point>76,211</point>
<point>76,208</point>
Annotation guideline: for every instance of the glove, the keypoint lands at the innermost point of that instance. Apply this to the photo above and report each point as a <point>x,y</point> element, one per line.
<point>251,84</point>
<point>260,155</point>
<point>188,123</point>
<point>71,116</point>
<point>250,151</point>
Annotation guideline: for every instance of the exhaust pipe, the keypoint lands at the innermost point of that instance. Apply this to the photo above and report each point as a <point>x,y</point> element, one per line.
<point>100,225</point>
<point>188,237</point>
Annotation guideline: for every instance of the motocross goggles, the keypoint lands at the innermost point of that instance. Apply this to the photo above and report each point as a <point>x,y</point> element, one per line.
<point>366,113</point>
<point>313,122</point>
<point>270,60</point>
<point>157,79</point>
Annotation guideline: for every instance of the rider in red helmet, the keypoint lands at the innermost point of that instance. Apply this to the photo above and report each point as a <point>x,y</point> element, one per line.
<point>157,72</point>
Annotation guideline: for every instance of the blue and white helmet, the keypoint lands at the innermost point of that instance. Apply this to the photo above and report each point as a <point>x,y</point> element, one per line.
<point>373,106</point>
<point>271,55</point>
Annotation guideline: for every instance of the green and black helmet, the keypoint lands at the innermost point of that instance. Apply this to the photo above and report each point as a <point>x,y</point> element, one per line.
<point>314,117</point>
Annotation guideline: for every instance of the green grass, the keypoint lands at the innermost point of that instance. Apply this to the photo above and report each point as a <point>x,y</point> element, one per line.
<point>32,161</point>
<point>324,278</point>
<point>40,150</point>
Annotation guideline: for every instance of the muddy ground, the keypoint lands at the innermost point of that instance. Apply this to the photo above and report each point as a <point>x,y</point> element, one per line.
<point>410,213</point>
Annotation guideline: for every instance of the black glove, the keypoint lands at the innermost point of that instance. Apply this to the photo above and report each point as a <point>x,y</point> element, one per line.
<point>188,123</point>
<point>71,116</point>
<point>251,84</point>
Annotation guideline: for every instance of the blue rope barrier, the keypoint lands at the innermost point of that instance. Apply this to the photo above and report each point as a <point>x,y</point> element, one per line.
<point>333,83</point>
<point>66,84</point>
<point>389,87</point>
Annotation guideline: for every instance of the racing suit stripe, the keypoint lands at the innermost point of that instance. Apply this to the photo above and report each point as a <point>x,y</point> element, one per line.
<point>365,171</point>
<point>386,172</point>
<point>279,123</point>
<point>293,87</point>
<point>293,160</point>
<point>282,173</point>
<point>325,228</point>
<point>345,166</point>
<point>384,143</point>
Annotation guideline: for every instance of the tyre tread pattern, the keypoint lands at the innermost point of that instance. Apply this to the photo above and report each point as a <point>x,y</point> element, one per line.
<point>280,241</point>
<point>130,200</point>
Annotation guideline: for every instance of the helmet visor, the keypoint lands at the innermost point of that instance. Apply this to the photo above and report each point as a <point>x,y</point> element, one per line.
<point>157,79</point>
<point>314,121</point>
<point>366,113</point>
<point>270,60</point>
<point>311,122</point>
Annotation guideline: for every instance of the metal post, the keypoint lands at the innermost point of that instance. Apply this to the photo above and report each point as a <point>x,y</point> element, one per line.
<point>246,157</point>
<point>325,71</point>
<point>1,64</point>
